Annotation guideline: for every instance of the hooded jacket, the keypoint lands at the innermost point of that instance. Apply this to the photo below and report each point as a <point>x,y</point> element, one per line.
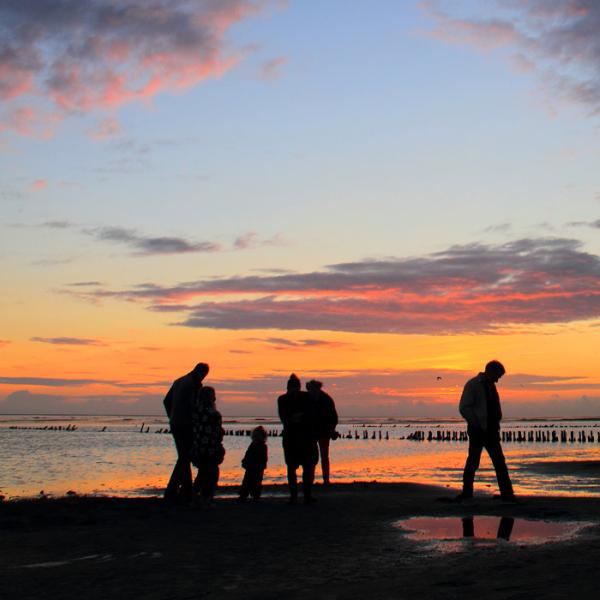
<point>474,403</point>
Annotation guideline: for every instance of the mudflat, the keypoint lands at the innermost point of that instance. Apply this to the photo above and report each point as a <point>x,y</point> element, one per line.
<point>343,546</point>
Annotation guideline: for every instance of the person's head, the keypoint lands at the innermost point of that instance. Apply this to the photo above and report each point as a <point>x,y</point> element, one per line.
<point>494,370</point>
<point>200,371</point>
<point>207,396</point>
<point>293,384</point>
<point>259,434</point>
<point>314,386</point>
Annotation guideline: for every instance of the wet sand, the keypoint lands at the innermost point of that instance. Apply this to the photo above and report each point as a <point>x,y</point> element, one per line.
<point>345,546</point>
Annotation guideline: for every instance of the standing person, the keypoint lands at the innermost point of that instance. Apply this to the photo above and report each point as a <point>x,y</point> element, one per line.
<point>297,414</point>
<point>207,451</point>
<point>327,420</point>
<point>178,405</point>
<point>480,407</point>
<point>254,463</point>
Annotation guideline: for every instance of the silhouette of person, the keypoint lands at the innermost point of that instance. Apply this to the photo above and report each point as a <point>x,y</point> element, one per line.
<point>480,407</point>
<point>327,420</point>
<point>298,416</point>
<point>254,463</point>
<point>207,451</point>
<point>178,406</point>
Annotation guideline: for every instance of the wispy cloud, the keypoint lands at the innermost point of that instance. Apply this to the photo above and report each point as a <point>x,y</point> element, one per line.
<point>465,289</point>
<point>99,55</point>
<point>271,69</point>
<point>500,228</point>
<point>49,381</point>
<point>151,245</point>
<point>593,224</point>
<point>78,382</point>
<point>251,239</point>
<point>285,344</point>
<point>106,128</point>
<point>68,341</point>
<point>4,343</point>
<point>556,39</point>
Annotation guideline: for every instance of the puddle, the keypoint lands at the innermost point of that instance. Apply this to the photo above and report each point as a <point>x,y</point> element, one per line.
<point>452,534</point>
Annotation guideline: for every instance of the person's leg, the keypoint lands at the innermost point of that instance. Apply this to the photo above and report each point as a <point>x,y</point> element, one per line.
<point>472,463</point>
<point>494,449</point>
<point>290,454</point>
<point>292,482</point>
<point>258,485</point>
<point>246,488</point>
<point>324,453</point>
<point>212,479</point>
<point>310,455</point>
<point>180,482</point>
<point>308,478</point>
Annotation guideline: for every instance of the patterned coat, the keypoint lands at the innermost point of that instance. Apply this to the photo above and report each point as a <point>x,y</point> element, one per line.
<point>208,433</point>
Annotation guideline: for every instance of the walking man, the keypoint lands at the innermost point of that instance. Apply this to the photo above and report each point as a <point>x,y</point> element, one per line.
<point>480,407</point>
<point>178,405</point>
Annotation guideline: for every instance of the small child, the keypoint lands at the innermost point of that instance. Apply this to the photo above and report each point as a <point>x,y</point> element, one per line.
<point>255,463</point>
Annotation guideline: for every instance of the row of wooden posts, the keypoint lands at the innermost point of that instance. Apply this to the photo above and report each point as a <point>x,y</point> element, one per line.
<point>538,435</point>
<point>520,436</point>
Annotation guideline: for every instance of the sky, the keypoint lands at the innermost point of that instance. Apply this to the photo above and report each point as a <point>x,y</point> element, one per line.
<point>383,196</point>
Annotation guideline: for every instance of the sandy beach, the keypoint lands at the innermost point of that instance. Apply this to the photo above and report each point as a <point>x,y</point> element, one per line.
<point>344,546</point>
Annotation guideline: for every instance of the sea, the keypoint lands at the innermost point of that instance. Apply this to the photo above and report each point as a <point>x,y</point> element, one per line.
<point>133,456</point>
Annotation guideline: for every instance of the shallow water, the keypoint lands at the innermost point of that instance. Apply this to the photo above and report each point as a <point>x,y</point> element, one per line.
<point>454,534</point>
<point>109,455</point>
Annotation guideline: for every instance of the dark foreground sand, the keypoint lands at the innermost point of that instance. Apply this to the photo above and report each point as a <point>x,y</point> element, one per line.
<point>342,547</point>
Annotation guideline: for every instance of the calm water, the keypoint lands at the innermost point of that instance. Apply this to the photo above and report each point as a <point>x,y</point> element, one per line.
<point>455,534</point>
<point>109,455</point>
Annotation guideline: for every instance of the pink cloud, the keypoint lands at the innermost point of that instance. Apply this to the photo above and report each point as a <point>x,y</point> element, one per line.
<point>471,288</point>
<point>38,185</point>
<point>558,39</point>
<point>101,55</point>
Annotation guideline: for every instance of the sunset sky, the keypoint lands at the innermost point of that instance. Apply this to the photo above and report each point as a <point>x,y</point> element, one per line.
<point>381,195</point>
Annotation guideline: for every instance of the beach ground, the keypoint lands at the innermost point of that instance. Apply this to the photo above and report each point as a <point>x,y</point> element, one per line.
<point>344,546</point>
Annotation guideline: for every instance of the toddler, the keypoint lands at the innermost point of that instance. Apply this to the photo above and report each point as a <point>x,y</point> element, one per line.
<point>255,463</point>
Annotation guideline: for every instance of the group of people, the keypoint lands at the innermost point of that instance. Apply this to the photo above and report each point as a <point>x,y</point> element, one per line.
<point>309,420</point>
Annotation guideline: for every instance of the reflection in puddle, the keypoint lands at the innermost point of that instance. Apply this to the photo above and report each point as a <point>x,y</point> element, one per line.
<point>450,534</point>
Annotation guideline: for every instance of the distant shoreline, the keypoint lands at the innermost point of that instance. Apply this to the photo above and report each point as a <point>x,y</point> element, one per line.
<point>268,418</point>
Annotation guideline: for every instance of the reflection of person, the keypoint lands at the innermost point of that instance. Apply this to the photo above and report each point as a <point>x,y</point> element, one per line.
<point>327,420</point>
<point>254,463</point>
<point>297,414</point>
<point>178,405</point>
<point>505,527</point>
<point>480,407</point>
<point>207,451</point>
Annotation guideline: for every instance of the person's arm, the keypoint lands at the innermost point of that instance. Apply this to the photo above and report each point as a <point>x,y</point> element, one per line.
<point>264,456</point>
<point>282,411</point>
<point>168,401</point>
<point>466,406</point>
<point>334,415</point>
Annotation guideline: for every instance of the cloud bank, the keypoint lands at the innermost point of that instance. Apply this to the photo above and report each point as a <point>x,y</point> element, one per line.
<point>417,393</point>
<point>556,39</point>
<point>470,288</point>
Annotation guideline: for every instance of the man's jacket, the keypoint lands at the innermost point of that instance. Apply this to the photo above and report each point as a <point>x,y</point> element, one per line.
<point>474,403</point>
